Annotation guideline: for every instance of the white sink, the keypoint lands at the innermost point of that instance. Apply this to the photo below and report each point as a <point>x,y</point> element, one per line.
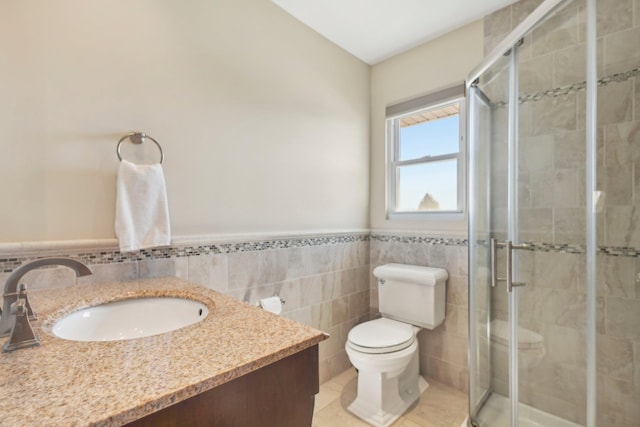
<point>130,318</point>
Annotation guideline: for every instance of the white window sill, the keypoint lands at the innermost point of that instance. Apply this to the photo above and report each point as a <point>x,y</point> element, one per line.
<point>426,216</point>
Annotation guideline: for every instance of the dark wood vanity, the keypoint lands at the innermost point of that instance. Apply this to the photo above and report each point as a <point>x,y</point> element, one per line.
<point>277,395</point>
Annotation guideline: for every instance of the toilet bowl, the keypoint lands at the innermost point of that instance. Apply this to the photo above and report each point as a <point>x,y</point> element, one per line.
<point>531,348</point>
<point>385,353</point>
<point>385,350</point>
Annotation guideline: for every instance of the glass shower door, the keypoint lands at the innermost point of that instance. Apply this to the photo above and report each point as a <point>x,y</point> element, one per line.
<point>488,219</point>
<point>498,259</point>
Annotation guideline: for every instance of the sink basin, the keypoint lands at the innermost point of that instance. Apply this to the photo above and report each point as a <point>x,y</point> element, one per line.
<point>130,318</point>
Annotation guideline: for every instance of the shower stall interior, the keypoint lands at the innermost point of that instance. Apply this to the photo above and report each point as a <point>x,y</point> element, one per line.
<point>554,228</point>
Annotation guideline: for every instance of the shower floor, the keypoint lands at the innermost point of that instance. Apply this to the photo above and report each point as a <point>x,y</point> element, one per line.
<point>495,413</point>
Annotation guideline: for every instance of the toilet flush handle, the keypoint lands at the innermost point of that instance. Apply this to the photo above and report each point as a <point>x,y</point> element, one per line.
<point>381,282</point>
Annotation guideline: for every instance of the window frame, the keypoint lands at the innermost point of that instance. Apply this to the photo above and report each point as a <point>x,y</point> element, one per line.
<point>392,123</point>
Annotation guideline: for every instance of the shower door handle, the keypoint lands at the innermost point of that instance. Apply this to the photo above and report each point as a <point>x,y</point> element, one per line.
<point>510,248</point>
<point>494,264</point>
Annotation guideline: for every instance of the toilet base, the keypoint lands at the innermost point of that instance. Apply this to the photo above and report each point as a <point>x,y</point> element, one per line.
<point>382,399</point>
<point>379,418</point>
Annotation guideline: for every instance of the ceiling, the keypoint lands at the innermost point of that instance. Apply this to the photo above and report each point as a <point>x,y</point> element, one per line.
<point>374,30</point>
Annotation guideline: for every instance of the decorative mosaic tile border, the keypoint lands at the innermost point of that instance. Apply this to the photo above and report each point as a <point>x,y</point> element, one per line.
<point>419,239</point>
<point>533,246</point>
<point>565,248</point>
<point>556,247</point>
<point>619,251</point>
<point>8,264</point>
<point>574,88</point>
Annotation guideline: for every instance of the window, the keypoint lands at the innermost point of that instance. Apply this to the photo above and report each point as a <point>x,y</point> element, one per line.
<point>426,156</point>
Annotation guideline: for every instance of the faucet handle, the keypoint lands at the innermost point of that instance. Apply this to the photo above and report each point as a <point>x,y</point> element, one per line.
<point>22,335</point>
<point>22,293</point>
<point>18,308</point>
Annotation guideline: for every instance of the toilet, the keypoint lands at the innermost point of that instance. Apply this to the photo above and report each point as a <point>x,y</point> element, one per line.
<point>385,350</point>
<point>531,349</point>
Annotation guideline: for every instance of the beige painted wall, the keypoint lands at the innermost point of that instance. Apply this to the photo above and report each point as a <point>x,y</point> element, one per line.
<point>435,65</point>
<point>265,124</point>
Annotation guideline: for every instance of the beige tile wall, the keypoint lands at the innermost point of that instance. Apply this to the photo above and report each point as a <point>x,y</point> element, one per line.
<point>324,286</point>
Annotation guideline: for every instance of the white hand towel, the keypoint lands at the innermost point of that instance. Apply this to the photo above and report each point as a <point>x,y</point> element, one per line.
<point>142,211</point>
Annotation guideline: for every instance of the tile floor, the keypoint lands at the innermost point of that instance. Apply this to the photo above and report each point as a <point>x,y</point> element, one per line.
<point>439,406</point>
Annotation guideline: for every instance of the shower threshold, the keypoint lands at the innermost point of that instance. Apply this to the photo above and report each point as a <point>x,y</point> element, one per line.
<point>495,413</point>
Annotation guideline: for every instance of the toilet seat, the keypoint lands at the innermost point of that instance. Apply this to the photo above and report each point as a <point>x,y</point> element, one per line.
<point>381,336</point>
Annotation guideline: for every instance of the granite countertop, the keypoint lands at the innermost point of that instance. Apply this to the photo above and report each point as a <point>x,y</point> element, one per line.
<point>69,383</point>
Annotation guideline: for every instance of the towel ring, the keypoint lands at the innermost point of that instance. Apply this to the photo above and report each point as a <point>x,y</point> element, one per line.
<point>138,138</point>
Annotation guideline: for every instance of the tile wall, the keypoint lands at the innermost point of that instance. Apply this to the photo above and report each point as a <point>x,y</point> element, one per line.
<point>324,280</point>
<point>552,213</point>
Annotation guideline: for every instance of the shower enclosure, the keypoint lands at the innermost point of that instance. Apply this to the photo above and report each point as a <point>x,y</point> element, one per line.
<point>554,228</point>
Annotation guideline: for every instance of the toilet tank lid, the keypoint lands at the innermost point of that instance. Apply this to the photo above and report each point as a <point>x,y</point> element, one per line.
<point>411,273</point>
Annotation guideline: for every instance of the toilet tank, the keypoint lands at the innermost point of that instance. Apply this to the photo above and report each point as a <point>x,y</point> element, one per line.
<point>411,293</point>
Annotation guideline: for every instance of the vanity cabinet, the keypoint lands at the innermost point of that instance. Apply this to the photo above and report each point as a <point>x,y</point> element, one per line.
<point>277,395</point>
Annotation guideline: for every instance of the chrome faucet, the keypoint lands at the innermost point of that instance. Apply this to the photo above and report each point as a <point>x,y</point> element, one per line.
<point>16,309</point>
